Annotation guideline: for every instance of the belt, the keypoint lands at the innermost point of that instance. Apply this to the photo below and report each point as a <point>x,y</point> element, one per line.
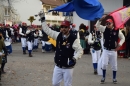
<point>63,67</point>
<point>23,37</point>
<point>109,49</point>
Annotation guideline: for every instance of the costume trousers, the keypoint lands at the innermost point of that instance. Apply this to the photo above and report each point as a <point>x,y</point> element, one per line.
<point>109,57</point>
<point>23,41</point>
<point>60,74</point>
<point>30,45</point>
<point>95,55</point>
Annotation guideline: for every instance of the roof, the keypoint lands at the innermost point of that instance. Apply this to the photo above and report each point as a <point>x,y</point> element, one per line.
<point>53,2</point>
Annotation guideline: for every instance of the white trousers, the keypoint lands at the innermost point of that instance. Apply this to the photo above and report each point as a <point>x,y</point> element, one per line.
<point>30,45</point>
<point>23,41</point>
<point>35,42</point>
<point>43,43</point>
<point>10,40</point>
<point>59,74</point>
<point>95,55</point>
<point>111,57</point>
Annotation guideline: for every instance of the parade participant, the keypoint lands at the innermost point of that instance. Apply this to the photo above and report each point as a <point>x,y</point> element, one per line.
<point>4,32</point>
<point>127,54</point>
<point>111,46</point>
<point>74,31</point>
<point>44,39</point>
<point>65,59</point>
<point>1,28</point>
<point>35,44</point>
<point>94,41</point>
<point>82,38</point>
<point>22,32</point>
<point>9,33</point>
<point>30,39</point>
<point>3,54</point>
<point>8,39</point>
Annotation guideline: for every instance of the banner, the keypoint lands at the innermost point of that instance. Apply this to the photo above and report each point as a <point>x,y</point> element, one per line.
<point>121,17</point>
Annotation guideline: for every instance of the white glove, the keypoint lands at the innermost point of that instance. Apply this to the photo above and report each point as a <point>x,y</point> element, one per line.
<point>42,16</point>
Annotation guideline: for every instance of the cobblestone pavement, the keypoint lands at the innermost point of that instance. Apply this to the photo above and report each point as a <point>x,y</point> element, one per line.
<point>37,70</point>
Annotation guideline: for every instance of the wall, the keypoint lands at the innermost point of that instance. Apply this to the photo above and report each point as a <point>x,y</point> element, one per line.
<point>77,20</point>
<point>27,8</point>
<point>111,5</point>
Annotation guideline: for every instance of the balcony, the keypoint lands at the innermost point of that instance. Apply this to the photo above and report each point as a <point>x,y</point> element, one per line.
<point>54,18</point>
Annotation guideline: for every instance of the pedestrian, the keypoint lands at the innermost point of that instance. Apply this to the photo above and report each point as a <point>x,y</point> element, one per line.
<point>65,59</point>
<point>111,46</point>
<point>94,41</point>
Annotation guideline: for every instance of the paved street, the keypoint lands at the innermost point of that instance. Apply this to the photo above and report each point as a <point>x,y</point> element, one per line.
<point>37,70</point>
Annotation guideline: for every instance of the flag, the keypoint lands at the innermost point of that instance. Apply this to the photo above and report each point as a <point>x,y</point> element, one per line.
<point>86,9</point>
<point>120,17</point>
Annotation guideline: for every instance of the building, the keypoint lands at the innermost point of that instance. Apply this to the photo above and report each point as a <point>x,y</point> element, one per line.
<point>51,17</point>
<point>8,15</point>
<point>14,11</point>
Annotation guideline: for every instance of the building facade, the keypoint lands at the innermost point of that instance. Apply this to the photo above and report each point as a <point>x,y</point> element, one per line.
<point>52,17</point>
<point>8,15</point>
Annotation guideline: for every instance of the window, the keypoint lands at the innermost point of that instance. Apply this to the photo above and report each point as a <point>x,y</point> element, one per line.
<point>7,11</point>
<point>47,9</point>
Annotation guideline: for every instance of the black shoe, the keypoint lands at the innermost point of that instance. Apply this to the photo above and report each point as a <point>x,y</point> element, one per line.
<point>3,72</point>
<point>30,55</point>
<point>114,81</point>
<point>102,80</point>
<point>95,72</point>
<point>24,52</point>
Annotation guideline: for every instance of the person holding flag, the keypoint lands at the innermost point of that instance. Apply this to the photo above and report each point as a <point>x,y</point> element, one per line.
<point>65,59</point>
<point>111,46</point>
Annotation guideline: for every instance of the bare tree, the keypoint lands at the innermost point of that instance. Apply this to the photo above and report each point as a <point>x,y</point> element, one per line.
<point>10,7</point>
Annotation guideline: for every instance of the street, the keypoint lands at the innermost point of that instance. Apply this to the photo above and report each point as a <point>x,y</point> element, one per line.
<point>22,70</point>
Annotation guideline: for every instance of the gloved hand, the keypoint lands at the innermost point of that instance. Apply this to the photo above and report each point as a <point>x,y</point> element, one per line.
<point>93,50</point>
<point>72,62</point>
<point>98,39</point>
<point>42,16</point>
<point>7,39</point>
